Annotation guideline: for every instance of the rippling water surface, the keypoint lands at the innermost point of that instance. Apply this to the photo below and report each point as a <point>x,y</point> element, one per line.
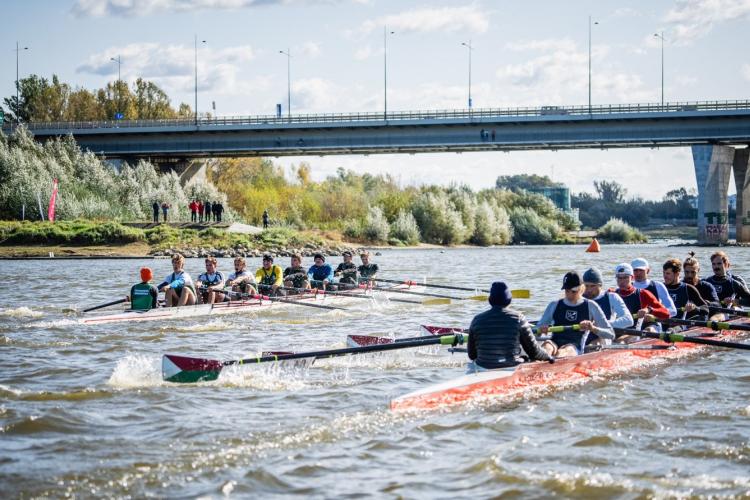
<point>84,412</point>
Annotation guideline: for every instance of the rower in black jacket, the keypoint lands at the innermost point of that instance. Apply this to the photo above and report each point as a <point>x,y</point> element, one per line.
<point>497,335</point>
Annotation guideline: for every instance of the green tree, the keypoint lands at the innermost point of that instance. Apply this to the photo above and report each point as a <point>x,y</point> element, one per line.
<point>525,181</point>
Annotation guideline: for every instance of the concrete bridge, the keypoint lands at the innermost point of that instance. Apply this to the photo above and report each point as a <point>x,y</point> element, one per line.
<point>717,131</point>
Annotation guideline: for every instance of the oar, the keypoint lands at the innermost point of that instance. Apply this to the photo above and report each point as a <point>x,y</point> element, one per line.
<point>517,294</point>
<point>425,294</point>
<point>729,310</point>
<point>118,301</point>
<point>285,301</point>
<point>182,369</point>
<point>370,297</point>
<point>676,337</point>
<point>713,325</point>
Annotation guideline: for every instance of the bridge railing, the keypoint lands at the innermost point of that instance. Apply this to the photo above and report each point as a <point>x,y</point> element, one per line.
<point>396,116</point>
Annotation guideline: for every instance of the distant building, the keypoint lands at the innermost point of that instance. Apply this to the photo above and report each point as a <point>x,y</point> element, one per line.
<point>560,197</point>
<point>732,202</point>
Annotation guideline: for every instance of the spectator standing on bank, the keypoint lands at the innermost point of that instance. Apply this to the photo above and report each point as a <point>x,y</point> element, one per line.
<point>155,208</point>
<point>193,206</point>
<point>219,209</point>
<point>265,219</point>
<point>200,211</point>
<point>214,208</point>
<point>165,210</point>
<point>207,210</point>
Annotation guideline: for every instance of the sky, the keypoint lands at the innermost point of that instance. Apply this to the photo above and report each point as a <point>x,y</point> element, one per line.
<point>523,54</point>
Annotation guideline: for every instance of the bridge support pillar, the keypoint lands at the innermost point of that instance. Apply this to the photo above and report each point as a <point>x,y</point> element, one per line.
<point>713,166</point>
<point>742,182</point>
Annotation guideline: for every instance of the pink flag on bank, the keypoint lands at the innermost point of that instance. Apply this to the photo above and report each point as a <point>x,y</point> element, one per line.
<point>52,199</point>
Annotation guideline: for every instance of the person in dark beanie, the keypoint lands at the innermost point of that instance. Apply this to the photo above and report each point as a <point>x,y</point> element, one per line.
<point>496,336</point>
<point>155,208</point>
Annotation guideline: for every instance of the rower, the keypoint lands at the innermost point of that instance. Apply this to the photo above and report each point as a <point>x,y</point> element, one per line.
<point>573,309</point>
<point>210,283</point>
<point>347,270</point>
<point>269,277</point>
<point>641,270</point>
<point>691,269</point>
<point>497,335</point>
<point>686,297</point>
<point>178,287</point>
<point>143,296</point>
<point>320,274</point>
<point>240,280</point>
<point>731,289</point>
<point>367,270</point>
<point>611,304</point>
<point>640,302</point>
<point>295,276</point>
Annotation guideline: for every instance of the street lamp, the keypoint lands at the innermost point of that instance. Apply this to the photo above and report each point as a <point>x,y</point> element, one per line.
<point>196,78</point>
<point>595,22</point>
<point>385,72</point>
<point>468,45</point>
<point>18,102</point>
<point>288,55</point>
<point>661,37</point>
<point>119,92</point>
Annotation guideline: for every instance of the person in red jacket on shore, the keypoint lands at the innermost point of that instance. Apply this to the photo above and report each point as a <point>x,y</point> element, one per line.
<point>193,206</point>
<point>200,211</point>
<point>641,303</point>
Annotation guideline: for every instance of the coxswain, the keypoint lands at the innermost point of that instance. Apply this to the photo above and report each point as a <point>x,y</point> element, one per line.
<point>730,289</point>
<point>641,270</point>
<point>241,281</point>
<point>178,287</point>
<point>499,336</point>
<point>691,270</point>
<point>640,302</point>
<point>295,276</point>
<point>367,270</point>
<point>573,309</point>
<point>269,277</point>
<point>143,296</point>
<point>686,297</point>
<point>346,272</point>
<point>611,304</point>
<point>211,283</point>
<point>320,274</point>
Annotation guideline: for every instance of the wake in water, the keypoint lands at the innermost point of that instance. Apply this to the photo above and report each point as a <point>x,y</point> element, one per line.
<point>136,371</point>
<point>21,312</point>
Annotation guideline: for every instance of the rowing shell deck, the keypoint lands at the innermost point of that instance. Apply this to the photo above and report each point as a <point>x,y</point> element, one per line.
<point>241,306</point>
<point>516,380</point>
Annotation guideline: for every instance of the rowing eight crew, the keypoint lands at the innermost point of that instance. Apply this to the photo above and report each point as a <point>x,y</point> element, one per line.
<point>499,337</point>
<point>212,287</point>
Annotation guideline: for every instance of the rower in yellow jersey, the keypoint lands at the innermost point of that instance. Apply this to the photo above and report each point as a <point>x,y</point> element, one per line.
<point>269,277</point>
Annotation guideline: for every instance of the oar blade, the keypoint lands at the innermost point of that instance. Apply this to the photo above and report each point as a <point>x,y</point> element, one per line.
<point>435,302</point>
<point>184,370</point>
<point>478,297</point>
<point>520,294</point>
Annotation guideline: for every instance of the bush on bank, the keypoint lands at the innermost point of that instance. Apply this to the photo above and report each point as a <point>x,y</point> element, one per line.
<point>619,231</point>
<point>68,233</point>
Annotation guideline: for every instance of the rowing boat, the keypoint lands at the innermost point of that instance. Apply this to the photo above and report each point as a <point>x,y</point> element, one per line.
<point>575,369</point>
<point>243,306</point>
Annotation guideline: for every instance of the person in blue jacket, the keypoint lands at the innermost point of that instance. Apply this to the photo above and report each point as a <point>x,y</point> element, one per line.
<point>320,274</point>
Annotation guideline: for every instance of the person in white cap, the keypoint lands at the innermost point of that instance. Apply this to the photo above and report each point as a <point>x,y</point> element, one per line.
<point>573,309</point>
<point>612,305</point>
<point>639,302</point>
<point>641,269</point>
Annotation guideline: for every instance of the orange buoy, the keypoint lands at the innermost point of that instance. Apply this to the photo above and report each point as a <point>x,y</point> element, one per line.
<point>593,247</point>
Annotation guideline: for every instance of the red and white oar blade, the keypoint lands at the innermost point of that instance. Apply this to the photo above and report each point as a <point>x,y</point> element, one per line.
<point>182,369</point>
<point>364,340</point>
<point>442,330</point>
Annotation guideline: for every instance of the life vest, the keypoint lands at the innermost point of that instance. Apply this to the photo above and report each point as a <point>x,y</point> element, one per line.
<point>565,315</point>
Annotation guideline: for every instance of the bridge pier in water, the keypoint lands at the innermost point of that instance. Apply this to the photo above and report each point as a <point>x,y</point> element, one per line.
<point>742,182</point>
<point>713,166</point>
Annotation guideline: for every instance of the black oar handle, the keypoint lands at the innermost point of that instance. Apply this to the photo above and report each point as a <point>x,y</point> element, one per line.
<point>286,301</point>
<point>729,310</point>
<point>453,339</point>
<point>119,301</point>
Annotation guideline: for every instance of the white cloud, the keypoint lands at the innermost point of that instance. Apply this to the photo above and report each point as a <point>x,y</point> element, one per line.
<point>172,67</point>
<point>133,8</point>
<point>365,52</point>
<point>446,19</point>
<point>310,49</point>
<point>626,12</point>
<point>692,19</point>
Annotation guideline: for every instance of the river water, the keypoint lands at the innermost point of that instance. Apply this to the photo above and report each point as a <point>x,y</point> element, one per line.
<point>84,412</point>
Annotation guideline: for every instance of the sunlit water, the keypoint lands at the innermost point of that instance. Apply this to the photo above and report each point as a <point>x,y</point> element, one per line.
<point>84,412</point>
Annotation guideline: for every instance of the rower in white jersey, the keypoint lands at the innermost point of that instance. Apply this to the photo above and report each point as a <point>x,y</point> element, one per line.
<point>240,280</point>
<point>641,269</point>
<point>178,287</point>
<point>210,283</point>
<point>611,304</point>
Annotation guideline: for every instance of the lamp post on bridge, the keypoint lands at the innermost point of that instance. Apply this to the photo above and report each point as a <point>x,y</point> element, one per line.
<point>385,72</point>
<point>471,49</point>
<point>18,102</point>
<point>660,36</point>
<point>196,78</point>
<point>288,55</point>
<point>119,92</point>
<point>595,22</point>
